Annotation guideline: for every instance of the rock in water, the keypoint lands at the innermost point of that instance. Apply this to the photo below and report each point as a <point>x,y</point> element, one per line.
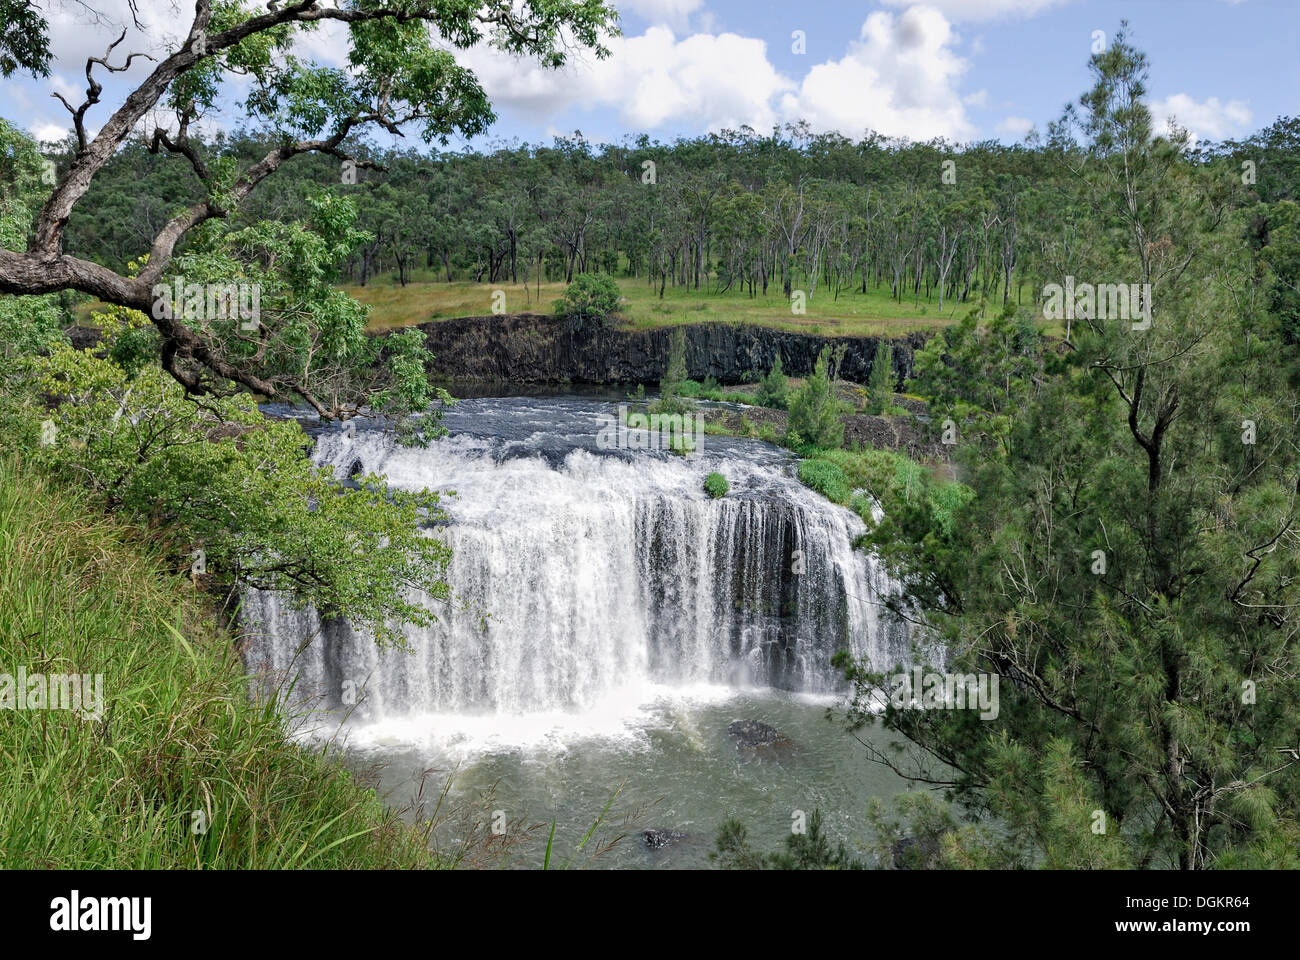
<point>657,839</point>
<point>754,738</point>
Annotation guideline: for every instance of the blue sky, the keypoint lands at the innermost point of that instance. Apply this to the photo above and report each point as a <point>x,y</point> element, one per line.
<point>962,69</point>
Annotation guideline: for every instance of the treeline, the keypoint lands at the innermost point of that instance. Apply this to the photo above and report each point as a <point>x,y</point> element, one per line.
<point>728,213</point>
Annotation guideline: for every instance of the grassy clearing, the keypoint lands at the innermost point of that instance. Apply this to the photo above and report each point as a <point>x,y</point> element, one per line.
<point>181,770</point>
<point>852,314</point>
<point>871,314</point>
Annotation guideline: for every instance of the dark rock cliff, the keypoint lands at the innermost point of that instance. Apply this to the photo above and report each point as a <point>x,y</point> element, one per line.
<point>532,348</point>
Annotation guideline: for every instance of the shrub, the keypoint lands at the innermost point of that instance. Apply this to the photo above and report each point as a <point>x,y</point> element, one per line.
<point>715,485</point>
<point>815,410</point>
<point>589,301</point>
<point>675,386</point>
<point>774,388</point>
<point>880,384</point>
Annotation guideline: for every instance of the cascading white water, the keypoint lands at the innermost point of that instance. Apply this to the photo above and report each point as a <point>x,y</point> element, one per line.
<point>583,574</point>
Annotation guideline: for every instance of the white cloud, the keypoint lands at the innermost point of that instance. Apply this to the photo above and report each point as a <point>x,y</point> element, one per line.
<point>977,99</point>
<point>1015,126</point>
<point>712,81</point>
<point>669,13</point>
<point>44,132</point>
<point>1209,118</point>
<point>76,34</point>
<point>73,93</point>
<point>965,10</point>
<point>897,79</point>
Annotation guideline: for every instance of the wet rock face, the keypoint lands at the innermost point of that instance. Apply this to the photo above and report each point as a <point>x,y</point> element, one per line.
<point>755,739</point>
<point>533,348</point>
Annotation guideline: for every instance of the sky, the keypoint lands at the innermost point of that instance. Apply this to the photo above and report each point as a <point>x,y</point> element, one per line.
<point>964,70</point>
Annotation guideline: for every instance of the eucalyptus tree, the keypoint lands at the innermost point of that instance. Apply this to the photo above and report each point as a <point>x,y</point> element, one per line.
<point>401,75</point>
<point>787,209</point>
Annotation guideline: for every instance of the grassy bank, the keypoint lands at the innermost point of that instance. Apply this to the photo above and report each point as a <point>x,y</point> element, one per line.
<point>874,313</point>
<point>838,475</point>
<point>181,769</point>
<point>852,313</point>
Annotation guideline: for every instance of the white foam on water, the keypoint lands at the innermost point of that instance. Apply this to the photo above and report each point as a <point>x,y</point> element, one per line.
<point>613,585</point>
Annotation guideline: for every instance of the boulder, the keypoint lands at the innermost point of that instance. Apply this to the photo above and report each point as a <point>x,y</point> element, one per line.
<point>754,738</point>
<point>657,839</point>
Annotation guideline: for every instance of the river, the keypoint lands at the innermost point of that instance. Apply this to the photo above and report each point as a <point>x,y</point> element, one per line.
<point>610,621</point>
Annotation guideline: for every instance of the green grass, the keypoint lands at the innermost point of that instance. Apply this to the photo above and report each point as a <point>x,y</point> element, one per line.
<point>180,746</point>
<point>826,478</point>
<point>836,474</point>
<point>852,314</point>
<point>874,313</point>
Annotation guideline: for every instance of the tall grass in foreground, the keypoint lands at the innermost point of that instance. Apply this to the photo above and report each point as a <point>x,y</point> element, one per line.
<point>181,769</point>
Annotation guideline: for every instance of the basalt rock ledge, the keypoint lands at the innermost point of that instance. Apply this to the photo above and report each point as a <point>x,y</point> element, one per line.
<point>533,348</point>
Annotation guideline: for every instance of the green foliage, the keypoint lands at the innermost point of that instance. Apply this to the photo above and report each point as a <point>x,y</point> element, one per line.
<point>924,834</point>
<point>1126,560</point>
<point>978,374</point>
<point>672,396</point>
<point>815,412</point>
<point>715,485</point>
<point>710,389</point>
<point>880,383</point>
<point>774,388</point>
<point>589,301</point>
<point>27,324</point>
<point>24,39</point>
<point>1282,256</point>
<point>177,745</point>
<point>220,477</point>
<point>923,509</point>
<point>827,479</point>
<point>309,337</point>
<point>811,850</point>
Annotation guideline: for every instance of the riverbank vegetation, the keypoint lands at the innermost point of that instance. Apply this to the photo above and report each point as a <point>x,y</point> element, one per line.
<point>175,767</point>
<point>1125,559</point>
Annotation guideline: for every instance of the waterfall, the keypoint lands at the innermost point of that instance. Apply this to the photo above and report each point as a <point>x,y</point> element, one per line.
<point>582,574</point>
